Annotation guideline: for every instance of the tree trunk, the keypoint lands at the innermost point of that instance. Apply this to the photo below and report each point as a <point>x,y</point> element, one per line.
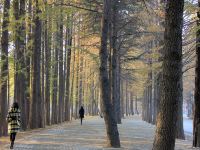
<point>111,125</point>
<point>61,74</point>
<point>136,106</point>
<point>115,64</point>
<point>48,65</point>
<point>143,102</point>
<point>144,105</point>
<point>179,124</point>
<point>77,104</point>
<point>77,83</point>
<point>29,49</point>
<point>81,102</point>
<point>20,48</point>
<point>131,104</point>
<point>54,117</point>
<point>118,90</point>
<point>155,99</point>
<point>72,80</point>
<point>43,70</point>
<point>172,76</point>
<point>69,44</point>
<point>150,101</point>
<point>4,69</point>
<point>122,99</point>
<point>159,92</point>
<point>36,101</point>
<point>127,97</point>
<point>196,120</point>
<point>147,105</point>
<point>81,80</point>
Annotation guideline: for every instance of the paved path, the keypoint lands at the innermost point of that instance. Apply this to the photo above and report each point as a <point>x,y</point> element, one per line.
<point>134,133</point>
<point>188,126</point>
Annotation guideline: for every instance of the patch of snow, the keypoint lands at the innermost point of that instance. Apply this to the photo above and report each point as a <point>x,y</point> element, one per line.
<point>188,125</point>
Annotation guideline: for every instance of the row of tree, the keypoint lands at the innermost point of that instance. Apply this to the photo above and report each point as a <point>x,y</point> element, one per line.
<point>153,93</point>
<point>50,63</point>
<point>49,60</point>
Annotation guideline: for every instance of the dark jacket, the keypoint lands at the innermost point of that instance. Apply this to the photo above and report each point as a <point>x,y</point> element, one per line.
<point>81,112</point>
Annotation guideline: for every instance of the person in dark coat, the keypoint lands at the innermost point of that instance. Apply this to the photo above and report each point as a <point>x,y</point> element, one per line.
<point>81,113</point>
<point>14,122</point>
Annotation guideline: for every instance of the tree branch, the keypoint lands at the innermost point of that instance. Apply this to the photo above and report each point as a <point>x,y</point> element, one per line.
<point>76,6</point>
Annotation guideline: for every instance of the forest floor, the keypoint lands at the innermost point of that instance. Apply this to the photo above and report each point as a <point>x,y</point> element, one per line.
<point>134,134</point>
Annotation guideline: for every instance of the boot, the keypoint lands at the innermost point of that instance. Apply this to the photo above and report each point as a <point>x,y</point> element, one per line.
<point>11,145</point>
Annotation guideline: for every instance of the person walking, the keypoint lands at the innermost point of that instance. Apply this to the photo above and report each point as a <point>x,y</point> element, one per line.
<point>81,114</point>
<point>14,122</point>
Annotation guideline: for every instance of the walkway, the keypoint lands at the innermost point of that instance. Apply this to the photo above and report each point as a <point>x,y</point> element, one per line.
<point>134,133</point>
<point>188,126</point>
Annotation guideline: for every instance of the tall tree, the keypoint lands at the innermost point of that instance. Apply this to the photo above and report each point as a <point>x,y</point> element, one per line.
<point>54,117</point>
<point>172,75</point>
<point>47,39</point>
<point>61,73</point>
<point>196,121</point>
<point>110,121</point>
<point>4,69</point>
<point>115,64</point>
<point>81,80</point>
<point>77,67</point>
<point>68,51</point>
<point>20,66</point>
<point>36,100</point>
<point>28,57</point>
<point>73,76</point>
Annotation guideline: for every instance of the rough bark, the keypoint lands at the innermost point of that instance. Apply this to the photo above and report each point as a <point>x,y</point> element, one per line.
<point>81,80</point>
<point>20,48</point>
<point>179,125</point>
<point>54,118</point>
<point>55,59</point>
<point>122,99</point>
<point>159,94</point>
<point>61,73</point>
<point>143,105</point>
<point>196,120</point>
<point>172,75</point>
<point>115,64</point>
<point>48,65</point>
<point>67,96</point>
<point>29,49</point>
<point>131,104</point>
<point>127,97</point>
<point>36,100</point>
<point>77,81</point>
<point>43,70</point>
<point>147,104</point>
<point>118,90</point>
<point>155,99</point>
<point>111,125</point>
<point>150,95</point>
<point>73,76</point>
<point>4,69</point>
<point>136,106</point>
